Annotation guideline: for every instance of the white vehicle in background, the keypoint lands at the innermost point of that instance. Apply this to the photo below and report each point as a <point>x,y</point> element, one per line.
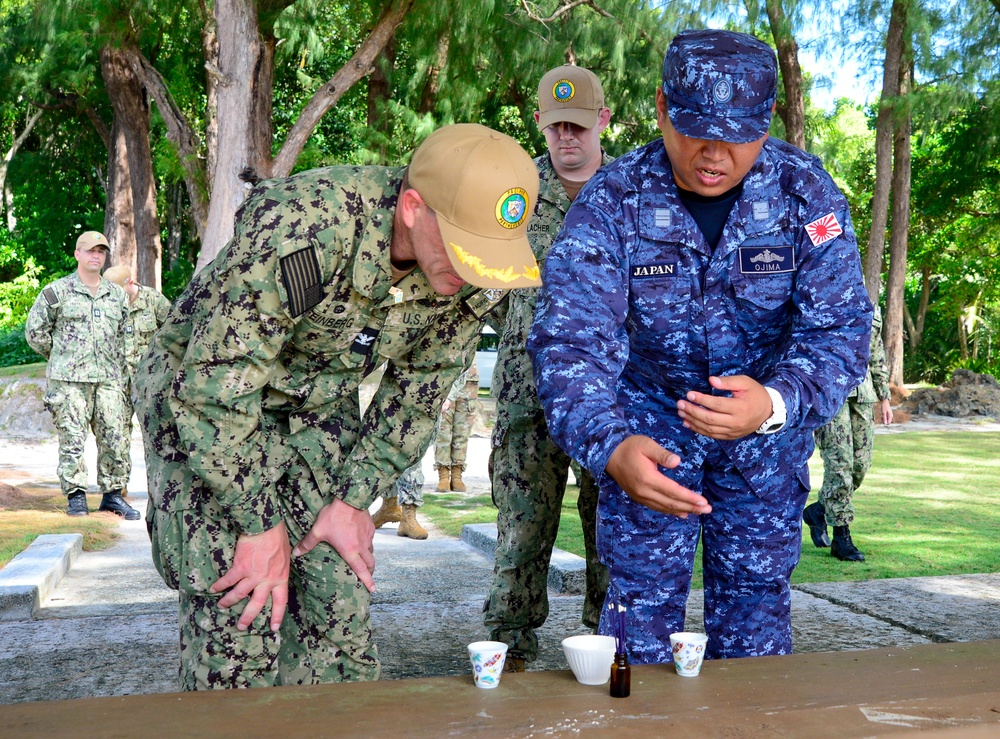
<point>486,356</point>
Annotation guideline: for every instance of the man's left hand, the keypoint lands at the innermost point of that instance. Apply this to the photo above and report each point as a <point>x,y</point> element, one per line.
<point>350,532</point>
<point>726,418</point>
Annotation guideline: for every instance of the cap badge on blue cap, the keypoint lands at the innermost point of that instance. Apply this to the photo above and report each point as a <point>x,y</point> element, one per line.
<point>563,91</point>
<point>512,208</point>
<point>722,91</point>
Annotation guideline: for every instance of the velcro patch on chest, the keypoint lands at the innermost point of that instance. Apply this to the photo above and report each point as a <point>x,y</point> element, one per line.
<point>302,279</point>
<point>481,302</point>
<point>766,260</point>
<point>664,269</point>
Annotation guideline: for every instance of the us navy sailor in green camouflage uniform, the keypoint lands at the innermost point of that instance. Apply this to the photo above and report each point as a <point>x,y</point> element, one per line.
<point>147,310</point>
<point>846,444</point>
<point>261,466</point>
<point>77,323</point>
<point>527,469</point>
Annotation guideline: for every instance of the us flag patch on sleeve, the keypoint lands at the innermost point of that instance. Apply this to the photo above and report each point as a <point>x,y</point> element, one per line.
<point>824,229</point>
<point>301,276</point>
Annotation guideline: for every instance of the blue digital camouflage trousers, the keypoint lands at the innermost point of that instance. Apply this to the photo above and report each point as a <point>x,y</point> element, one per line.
<point>846,444</point>
<point>326,633</point>
<point>77,408</point>
<point>749,549</point>
<point>529,474</point>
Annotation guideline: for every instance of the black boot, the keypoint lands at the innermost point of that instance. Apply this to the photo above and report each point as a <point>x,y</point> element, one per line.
<point>843,546</point>
<point>815,518</point>
<point>77,504</point>
<point>114,503</point>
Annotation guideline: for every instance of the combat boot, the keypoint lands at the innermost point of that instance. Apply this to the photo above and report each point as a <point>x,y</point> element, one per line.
<point>113,503</point>
<point>843,546</point>
<point>444,479</point>
<point>456,479</point>
<point>513,664</point>
<point>77,504</point>
<point>388,513</point>
<point>815,517</point>
<point>408,526</point>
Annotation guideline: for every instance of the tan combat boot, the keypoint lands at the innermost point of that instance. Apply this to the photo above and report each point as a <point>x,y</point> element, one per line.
<point>388,513</point>
<point>444,479</point>
<point>456,479</point>
<point>409,526</point>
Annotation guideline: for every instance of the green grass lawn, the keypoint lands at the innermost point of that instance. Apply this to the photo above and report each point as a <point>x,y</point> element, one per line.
<point>929,506</point>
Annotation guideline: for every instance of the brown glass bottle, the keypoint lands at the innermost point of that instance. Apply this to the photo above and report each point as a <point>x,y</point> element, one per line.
<point>621,676</point>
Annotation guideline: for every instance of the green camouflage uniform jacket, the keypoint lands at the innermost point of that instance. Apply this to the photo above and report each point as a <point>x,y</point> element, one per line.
<point>875,386</point>
<point>513,379</point>
<point>146,314</point>
<point>263,353</point>
<point>80,334</point>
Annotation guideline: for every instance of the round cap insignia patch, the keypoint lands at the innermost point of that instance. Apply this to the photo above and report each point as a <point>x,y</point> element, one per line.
<point>512,208</point>
<point>563,91</point>
<point>722,91</point>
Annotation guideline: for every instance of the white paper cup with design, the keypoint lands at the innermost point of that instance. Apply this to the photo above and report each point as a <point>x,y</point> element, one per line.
<point>487,662</point>
<point>689,652</point>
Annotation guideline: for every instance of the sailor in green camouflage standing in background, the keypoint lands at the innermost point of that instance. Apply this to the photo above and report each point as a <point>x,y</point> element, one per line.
<point>77,323</point>
<point>846,445</point>
<point>147,310</point>
<point>528,471</point>
<point>261,465</point>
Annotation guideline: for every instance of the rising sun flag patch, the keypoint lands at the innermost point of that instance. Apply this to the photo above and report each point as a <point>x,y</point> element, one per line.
<point>824,229</point>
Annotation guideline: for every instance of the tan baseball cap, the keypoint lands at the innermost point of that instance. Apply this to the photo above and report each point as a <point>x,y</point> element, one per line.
<point>483,187</point>
<point>571,94</point>
<point>118,274</point>
<point>91,239</point>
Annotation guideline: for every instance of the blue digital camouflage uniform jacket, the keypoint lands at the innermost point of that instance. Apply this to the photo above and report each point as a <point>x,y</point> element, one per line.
<point>636,310</point>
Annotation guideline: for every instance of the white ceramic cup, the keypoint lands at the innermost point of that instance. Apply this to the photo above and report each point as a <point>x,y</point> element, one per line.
<point>487,662</point>
<point>689,652</point>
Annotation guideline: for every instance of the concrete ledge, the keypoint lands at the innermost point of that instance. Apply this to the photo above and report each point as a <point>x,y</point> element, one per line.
<point>567,572</point>
<point>30,577</point>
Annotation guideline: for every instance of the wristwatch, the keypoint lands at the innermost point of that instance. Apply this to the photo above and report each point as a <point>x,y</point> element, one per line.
<point>778,416</point>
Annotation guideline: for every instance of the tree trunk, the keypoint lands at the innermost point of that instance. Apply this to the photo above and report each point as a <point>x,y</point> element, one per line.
<point>131,109</point>
<point>428,96</point>
<point>119,223</point>
<point>884,125</point>
<point>379,95</point>
<point>793,112</point>
<point>242,56</point>
<point>899,239</point>
<point>8,196</point>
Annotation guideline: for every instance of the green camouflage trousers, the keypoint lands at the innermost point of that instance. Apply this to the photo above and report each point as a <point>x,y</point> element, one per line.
<point>326,633</point>
<point>845,444</point>
<point>451,445</point>
<point>77,408</point>
<point>529,473</point>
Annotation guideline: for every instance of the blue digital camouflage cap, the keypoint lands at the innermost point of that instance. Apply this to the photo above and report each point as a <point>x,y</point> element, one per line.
<point>720,85</point>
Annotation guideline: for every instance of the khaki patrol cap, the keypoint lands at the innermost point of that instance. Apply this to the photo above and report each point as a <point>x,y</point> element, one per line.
<point>118,274</point>
<point>571,94</point>
<point>91,239</point>
<point>483,186</point>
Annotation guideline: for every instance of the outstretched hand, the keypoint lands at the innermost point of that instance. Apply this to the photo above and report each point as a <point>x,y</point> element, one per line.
<point>633,465</point>
<point>726,418</point>
<point>350,532</point>
<point>260,570</point>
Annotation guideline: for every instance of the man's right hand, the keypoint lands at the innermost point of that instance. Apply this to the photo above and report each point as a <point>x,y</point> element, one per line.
<point>633,465</point>
<point>260,570</point>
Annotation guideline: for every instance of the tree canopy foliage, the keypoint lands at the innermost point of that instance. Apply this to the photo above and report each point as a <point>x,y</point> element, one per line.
<point>150,119</point>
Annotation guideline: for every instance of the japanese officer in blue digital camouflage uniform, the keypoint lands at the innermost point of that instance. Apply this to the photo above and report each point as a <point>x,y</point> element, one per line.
<point>702,311</point>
